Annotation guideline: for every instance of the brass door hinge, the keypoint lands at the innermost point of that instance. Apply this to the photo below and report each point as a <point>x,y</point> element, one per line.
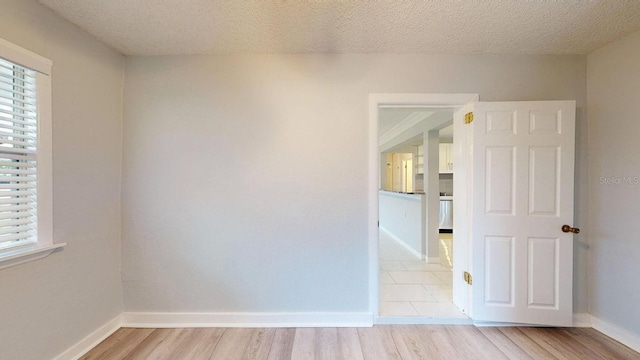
<point>467,278</point>
<point>468,118</point>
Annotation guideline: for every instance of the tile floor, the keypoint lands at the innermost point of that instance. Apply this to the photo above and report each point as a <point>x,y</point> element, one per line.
<point>411,287</point>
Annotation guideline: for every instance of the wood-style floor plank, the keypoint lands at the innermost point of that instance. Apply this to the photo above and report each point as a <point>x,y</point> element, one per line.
<point>412,344</point>
<point>441,339</point>
<point>112,340</point>
<point>604,346</point>
<point>524,342</point>
<point>170,345</point>
<point>327,343</point>
<point>233,344</point>
<point>200,345</point>
<point>556,343</point>
<point>145,348</point>
<point>349,344</point>
<point>282,344</point>
<point>377,343</point>
<point>508,347</point>
<point>259,344</point>
<point>124,342</point>
<point>397,342</point>
<point>304,344</point>
<point>470,343</point>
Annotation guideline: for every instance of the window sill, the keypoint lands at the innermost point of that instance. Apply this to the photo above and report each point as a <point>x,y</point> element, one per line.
<point>27,253</point>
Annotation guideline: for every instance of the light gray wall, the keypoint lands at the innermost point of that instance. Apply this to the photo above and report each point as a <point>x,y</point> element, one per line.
<point>244,176</point>
<point>48,305</point>
<point>614,130</point>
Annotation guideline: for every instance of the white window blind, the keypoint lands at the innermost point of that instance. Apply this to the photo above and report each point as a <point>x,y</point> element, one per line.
<point>18,155</point>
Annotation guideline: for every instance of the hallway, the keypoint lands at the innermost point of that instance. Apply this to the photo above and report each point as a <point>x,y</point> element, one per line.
<point>411,287</point>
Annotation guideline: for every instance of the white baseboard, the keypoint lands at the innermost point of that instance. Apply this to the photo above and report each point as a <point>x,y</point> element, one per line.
<point>433,260</point>
<point>93,339</point>
<point>417,320</point>
<point>178,320</point>
<point>402,243</point>
<point>624,336</point>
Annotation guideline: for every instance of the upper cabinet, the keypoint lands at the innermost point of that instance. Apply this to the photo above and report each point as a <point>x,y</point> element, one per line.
<point>419,160</point>
<point>446,158</point>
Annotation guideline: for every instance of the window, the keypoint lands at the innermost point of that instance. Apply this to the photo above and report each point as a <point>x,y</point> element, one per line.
<point>25,156</point>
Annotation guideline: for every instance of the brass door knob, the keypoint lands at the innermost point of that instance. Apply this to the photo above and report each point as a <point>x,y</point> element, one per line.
<point>567,228</point>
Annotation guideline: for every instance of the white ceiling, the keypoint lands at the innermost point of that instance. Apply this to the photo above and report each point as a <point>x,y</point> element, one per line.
<point>446,134</point>
<point>167,27</point>
<point>391,117</point>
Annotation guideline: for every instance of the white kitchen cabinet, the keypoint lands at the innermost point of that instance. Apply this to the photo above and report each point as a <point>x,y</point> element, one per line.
<point>419,160</point>
<point>446,159</point>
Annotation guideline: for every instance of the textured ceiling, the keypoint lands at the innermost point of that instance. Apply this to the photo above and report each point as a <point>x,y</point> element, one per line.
<point>163,27</point>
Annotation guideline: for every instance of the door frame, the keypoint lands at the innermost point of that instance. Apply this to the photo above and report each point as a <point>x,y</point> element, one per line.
<point>397,100</point>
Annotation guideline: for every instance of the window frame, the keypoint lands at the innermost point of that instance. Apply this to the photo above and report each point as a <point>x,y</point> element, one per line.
<point>44,244</point>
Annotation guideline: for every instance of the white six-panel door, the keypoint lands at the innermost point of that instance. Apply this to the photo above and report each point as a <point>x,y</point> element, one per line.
<point>522,159</point>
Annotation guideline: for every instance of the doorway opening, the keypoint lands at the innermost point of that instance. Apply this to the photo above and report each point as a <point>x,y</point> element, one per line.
<point>411,168</point>
<point>509,240</point>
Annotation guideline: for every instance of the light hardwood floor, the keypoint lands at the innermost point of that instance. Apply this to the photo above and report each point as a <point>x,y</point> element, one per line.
<point>405,342</point>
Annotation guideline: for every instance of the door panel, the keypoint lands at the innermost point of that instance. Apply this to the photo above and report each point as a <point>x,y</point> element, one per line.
<point>501,122</point>
<point>522,171</point>
<point>500,180</point>
<point>499,289</point>
<point>544,181</point>
<point>543,274</point>
<point>545,122</point>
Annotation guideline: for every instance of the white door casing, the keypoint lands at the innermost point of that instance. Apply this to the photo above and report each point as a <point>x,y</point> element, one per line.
<point>462,201</point>
<point>402,100</point>
<point>521,162</point>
